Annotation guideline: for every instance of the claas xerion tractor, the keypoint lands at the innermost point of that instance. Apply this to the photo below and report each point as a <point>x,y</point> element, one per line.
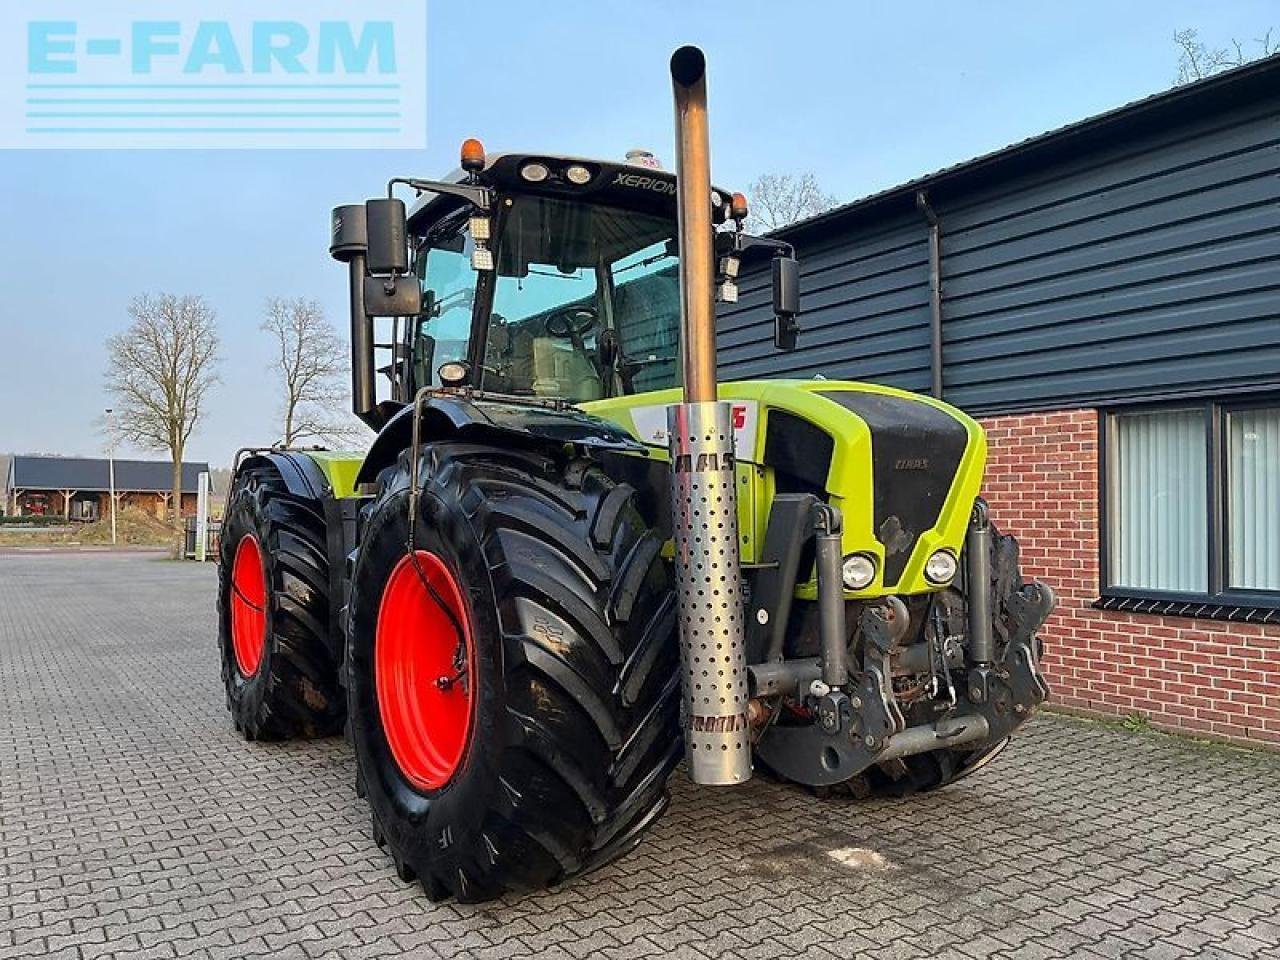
<point>570,558</point>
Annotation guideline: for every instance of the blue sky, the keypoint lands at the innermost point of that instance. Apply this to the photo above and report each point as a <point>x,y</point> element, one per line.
<point>864,95</point>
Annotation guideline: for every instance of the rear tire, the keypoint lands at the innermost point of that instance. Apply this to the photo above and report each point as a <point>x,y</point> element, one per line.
<point>278,669</point>
<point>569,616</point>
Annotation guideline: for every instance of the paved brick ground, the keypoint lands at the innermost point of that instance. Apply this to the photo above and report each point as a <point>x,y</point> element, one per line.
<point>133,823</point>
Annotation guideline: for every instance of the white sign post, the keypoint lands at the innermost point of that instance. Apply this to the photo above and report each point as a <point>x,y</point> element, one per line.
<point>111,469</point>
<point>202,515</point>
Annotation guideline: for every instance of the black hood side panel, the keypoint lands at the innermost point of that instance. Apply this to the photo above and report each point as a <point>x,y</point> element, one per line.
<point>489,418</point>
<point>916,450</point>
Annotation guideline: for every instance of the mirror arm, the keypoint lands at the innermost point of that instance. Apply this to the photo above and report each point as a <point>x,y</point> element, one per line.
<point>737,243</point>
<point>477,196</point>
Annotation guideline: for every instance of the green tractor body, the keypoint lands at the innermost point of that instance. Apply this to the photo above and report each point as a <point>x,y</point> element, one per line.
<point>560,567</point>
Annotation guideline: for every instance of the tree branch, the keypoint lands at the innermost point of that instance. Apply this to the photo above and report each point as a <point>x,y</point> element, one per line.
<point>159,371</point>
<point>311,365</point>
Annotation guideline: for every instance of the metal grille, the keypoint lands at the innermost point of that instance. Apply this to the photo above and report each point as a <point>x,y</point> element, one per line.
<point>717,745</point>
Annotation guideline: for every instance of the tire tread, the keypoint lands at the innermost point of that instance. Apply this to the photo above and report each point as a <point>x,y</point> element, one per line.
<point>593,735</point>
<point>300,697</point>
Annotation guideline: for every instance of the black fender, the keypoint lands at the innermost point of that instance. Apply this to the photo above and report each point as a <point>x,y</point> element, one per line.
<point>302,476</point>
<point>499,421</point>
<point>304,479</point>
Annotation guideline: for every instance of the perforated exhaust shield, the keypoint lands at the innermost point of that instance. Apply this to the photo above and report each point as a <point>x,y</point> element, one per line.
<point>713,657</point>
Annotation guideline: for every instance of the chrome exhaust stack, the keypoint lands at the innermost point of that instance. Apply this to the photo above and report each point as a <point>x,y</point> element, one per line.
<point>704,498</point>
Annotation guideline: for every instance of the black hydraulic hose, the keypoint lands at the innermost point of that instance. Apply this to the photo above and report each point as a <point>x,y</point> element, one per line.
<point>414,494</point>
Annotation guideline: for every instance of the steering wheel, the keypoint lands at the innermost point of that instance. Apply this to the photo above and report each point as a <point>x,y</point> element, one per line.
<point>571,322</point>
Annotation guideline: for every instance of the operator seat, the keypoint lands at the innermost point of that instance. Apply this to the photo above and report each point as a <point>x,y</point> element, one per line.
<point>558,372</point>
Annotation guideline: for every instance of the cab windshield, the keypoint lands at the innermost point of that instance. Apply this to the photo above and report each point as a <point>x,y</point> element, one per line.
<point>586,302</point>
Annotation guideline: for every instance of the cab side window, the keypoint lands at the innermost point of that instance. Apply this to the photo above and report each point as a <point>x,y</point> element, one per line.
<point>449,288</point>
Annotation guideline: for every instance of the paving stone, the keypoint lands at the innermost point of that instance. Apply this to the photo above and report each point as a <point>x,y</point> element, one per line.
<point>135,824</point>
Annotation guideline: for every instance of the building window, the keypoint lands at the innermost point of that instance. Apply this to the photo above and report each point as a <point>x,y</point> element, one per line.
<point>1159,522</point>
<point>1193,503</point>
<point>1253,499</point>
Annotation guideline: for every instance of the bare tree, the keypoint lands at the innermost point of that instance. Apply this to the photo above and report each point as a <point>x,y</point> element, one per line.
<point>311,363</point>
<point>160,370</point>
<point>1197,61</point>
<point>778,199</point>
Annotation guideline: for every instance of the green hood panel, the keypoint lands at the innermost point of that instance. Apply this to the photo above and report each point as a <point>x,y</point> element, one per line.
<point>339,469</point>
<point>903,468</point>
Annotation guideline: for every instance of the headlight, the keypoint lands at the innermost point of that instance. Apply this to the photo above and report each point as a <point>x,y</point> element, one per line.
<point>858,571</point>
<point>535,172</point>
<point>940,568</point>
<point>453,373</point>
<point>578,174</point>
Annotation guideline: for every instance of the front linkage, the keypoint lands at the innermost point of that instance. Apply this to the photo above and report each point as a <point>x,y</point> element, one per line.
<point>858,723</point>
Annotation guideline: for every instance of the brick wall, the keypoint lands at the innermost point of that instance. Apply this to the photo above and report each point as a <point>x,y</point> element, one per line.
<point>1200,676</point>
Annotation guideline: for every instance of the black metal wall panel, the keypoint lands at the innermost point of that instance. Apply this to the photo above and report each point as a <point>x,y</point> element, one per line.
<point>1148,265</point>
<point>866,308</point>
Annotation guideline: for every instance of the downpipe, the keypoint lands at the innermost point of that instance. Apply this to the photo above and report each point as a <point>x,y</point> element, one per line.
<point>935,293</point>
<point>703,493</point>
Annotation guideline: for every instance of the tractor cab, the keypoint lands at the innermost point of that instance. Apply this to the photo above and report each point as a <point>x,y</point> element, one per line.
<point>537,277</point>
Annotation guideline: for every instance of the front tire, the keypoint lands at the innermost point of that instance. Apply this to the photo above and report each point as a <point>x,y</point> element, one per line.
<point>542,748</point>
<point>278,668</point>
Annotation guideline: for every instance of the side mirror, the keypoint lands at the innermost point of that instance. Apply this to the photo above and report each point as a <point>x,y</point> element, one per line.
<point>392,296</point>
<point>387,229</point>
<point>786,302</point>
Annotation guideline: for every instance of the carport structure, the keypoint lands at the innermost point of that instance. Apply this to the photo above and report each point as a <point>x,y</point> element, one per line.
<point>79,488</point>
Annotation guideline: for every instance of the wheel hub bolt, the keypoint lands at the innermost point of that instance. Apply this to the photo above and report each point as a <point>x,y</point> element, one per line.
<point>445,684</point>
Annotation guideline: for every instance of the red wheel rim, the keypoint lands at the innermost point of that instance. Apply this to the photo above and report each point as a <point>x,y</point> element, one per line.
<point>424,671</point>
<point>248,605</point>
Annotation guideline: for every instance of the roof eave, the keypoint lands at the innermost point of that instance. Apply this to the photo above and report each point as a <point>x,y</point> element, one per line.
<point>1241,84</point>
